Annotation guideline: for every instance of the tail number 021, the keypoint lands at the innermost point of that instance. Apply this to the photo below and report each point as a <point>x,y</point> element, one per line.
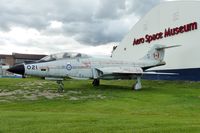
<point>32,67</point>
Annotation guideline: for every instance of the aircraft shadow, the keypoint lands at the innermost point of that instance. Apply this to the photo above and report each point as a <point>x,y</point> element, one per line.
<point>113,87</point>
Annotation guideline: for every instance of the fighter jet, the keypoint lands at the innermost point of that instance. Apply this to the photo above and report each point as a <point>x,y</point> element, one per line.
<point>81,66</point>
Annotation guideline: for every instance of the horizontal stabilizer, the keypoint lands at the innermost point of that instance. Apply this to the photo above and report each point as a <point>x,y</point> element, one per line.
<point>159,73</point>
<point>165,47</point>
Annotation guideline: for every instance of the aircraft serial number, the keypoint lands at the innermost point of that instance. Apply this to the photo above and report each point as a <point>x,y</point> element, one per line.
<point>32,67</point>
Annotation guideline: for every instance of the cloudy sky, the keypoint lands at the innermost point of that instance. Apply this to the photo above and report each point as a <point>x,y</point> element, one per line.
<point>87,26</point>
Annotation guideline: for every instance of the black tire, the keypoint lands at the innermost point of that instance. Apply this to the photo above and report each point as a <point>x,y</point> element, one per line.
<point>96,82</point>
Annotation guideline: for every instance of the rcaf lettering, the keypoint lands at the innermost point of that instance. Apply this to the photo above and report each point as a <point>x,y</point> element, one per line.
<point>167,33</point>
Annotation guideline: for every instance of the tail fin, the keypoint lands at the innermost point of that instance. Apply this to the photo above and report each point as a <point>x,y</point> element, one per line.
<point>156,53</point>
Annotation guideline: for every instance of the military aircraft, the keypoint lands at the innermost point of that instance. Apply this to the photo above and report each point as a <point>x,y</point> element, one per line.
<point>81,66</point>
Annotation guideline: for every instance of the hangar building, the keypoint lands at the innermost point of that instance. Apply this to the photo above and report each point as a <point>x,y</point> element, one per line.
<point>169,23</point>
<point>16,58</point>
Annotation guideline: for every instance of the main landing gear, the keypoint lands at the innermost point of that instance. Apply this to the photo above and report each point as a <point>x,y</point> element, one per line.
<point>137,85</point>
<point>61,86</point>
<point>96,82</point>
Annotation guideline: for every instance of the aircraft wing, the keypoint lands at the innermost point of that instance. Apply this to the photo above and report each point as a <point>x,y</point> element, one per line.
<point>124,71</point>
<point>120,70</point>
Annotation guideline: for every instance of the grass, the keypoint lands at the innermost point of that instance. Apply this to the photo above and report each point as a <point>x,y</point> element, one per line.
<point>112,107</point>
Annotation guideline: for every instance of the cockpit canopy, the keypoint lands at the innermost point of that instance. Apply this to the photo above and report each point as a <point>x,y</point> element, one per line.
<point>67,55</point>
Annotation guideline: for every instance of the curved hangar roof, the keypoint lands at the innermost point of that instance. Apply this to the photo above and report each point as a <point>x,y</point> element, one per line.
<point>170,23</point>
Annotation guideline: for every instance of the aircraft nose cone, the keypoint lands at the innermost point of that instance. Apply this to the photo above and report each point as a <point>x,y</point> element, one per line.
<point>18,69</point>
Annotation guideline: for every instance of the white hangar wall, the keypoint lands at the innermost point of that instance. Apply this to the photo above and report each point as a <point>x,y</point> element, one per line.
<point>174,15</point>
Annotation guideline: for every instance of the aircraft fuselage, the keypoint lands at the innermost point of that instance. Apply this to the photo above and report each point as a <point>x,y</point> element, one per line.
<point>74,68</point>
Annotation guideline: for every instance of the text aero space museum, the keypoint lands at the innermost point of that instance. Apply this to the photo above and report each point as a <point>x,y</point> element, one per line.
<point>170,23</point>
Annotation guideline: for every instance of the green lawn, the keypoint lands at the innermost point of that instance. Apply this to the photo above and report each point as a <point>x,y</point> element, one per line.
<point>34,106</point>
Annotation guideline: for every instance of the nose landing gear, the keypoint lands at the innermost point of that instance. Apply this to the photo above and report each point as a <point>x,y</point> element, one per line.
<point>61,86</point>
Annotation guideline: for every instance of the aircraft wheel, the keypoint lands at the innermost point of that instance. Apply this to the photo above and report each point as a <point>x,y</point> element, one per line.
<point>137,85</point>
<point>133,86</point>
<point>61,86</point>
<point>96,82</point>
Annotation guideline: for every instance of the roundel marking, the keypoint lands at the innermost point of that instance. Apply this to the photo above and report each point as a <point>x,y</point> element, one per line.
<point>68,67</point>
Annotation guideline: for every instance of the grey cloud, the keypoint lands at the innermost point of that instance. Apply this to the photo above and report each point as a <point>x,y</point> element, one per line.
<point>110,9</point>
<point>141,7</point>
<point>100,32</point>
<point>21,13</point>
<point>89,21</point>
